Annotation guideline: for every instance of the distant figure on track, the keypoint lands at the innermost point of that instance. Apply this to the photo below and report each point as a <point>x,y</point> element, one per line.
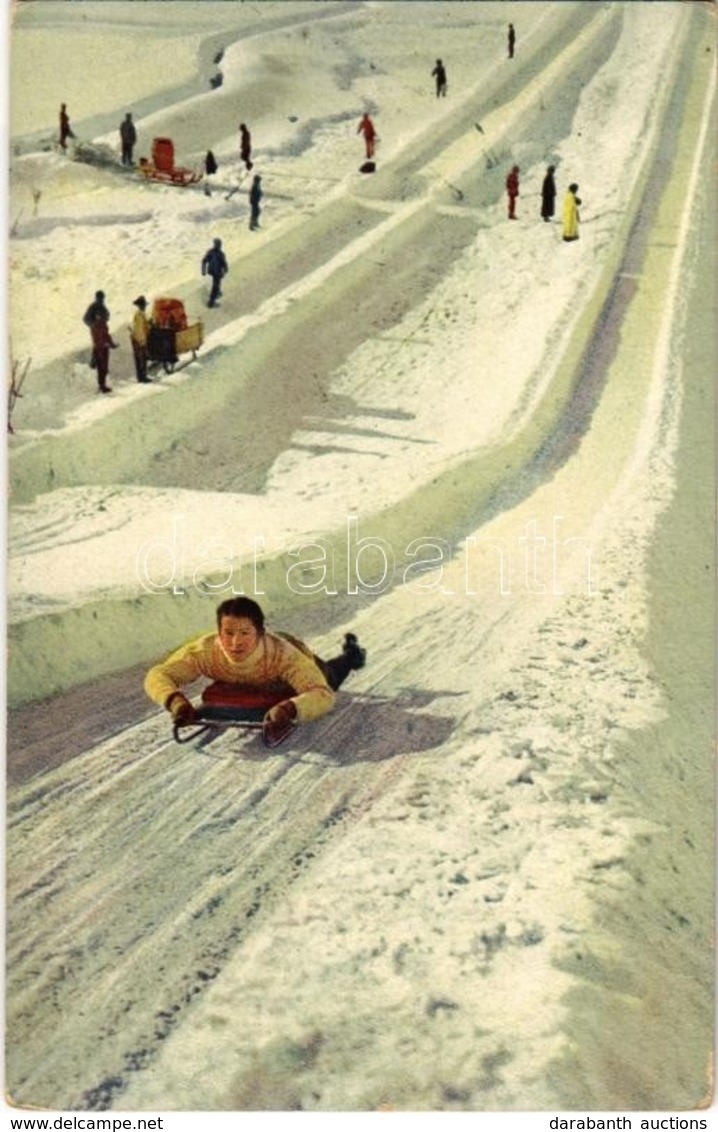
<point>511,41</point>
<point>439,73</point>
<point>245,146</point>
<point>570,215</point>
<point>512,189</point>
<point>65,127</point>
<point>128,137</point>
<point>255,197</point>
<point>366,127</point>
<point>97,318</point>
<point>241,655</point>
<point>214,263</point>
<point>139,333</point>
<point>548,194</point>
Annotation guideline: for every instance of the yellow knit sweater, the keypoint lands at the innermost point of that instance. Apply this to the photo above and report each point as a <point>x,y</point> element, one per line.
<point>275,665</point>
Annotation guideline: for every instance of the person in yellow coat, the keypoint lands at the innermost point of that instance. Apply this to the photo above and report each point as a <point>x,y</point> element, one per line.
<point>570,213</point>
<point>139,333</point>
<point>245,657</point>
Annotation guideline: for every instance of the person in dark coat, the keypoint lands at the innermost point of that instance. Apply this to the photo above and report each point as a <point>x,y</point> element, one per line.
<point>97,306</point>
<point>439,73</point>
<point>548,194</point>
<point>511,41</point>
<point>210,163</point>
<point>128,138</point>
<point>245,146</point>
<point>255,196</point>
<point>97,318</point>
<point>65,127</point>
<point>214,263</point>
<point>512,189</point>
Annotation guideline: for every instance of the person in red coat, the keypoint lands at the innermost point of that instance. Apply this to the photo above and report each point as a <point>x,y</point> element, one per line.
<point>366,127</point>
<point>97,318</point>
<point>65,127</point>
<point>512,188</point>
<point>245,146</point>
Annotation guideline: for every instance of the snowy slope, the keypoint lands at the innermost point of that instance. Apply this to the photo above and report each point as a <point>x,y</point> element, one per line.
<point>411,905</point>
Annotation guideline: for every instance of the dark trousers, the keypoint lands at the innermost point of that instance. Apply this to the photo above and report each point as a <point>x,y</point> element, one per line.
<point>216,290</point>
<point>140,355</point>
<point>102,357</point>
<point>127,148</point>
<point>335,670</point>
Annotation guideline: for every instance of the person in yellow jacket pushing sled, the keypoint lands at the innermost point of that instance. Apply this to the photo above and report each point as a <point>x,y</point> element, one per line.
<point>260,679</point>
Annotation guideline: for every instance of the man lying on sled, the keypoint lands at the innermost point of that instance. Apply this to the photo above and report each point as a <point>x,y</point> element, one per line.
<point>250,666</point>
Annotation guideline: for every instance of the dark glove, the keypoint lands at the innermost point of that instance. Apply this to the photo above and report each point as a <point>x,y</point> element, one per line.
<point>278,721</point>
<point>181,709</point>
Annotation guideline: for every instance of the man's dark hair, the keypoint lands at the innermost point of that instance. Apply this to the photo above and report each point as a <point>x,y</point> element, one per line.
<point>241,607</point>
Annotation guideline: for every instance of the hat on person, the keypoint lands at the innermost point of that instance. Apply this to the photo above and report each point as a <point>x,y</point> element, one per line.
<point>141,302</point>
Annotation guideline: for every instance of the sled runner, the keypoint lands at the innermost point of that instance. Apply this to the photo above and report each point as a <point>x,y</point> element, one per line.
<point>170,334</point>
<point>225,708</point>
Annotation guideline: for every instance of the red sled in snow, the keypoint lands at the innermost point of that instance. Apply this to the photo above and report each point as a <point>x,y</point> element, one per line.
<point>162,166</point>
<point>227,707</point>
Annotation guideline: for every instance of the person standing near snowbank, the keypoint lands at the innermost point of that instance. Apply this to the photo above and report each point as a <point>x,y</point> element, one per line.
<point>548,194</point>
<point>128,137</point>
<point>214,263</point>
<point>65,127</point>
<point>245,146</point>
<point>139,333</point>
<point>243,655</point>
<point>570,214</point>
<point>97,318</point>
<point>439,73</point>
<point>255,197</point>
<point>366,127</point>
<point>512,189</point>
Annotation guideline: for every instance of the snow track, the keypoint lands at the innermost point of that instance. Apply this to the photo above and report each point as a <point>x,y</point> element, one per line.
<point>399,906</point>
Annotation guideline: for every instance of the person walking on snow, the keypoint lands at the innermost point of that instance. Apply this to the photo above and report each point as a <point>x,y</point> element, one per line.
<point>511,41</point>
<point>512,188</point>
<point>570,214</point>
<point>366,127</point>
<point>65,127</point>
<point>214,263</point>
<point>548,194</point>
<point>128,137</point>
<point>255,196</point>
<point>439,73</point>
<point>97,318</point>
<point>245,146</point>
<point>243,657</point>
<point>139,333</point>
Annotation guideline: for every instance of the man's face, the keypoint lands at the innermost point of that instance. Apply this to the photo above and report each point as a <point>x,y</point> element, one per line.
<point>238,637</point>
